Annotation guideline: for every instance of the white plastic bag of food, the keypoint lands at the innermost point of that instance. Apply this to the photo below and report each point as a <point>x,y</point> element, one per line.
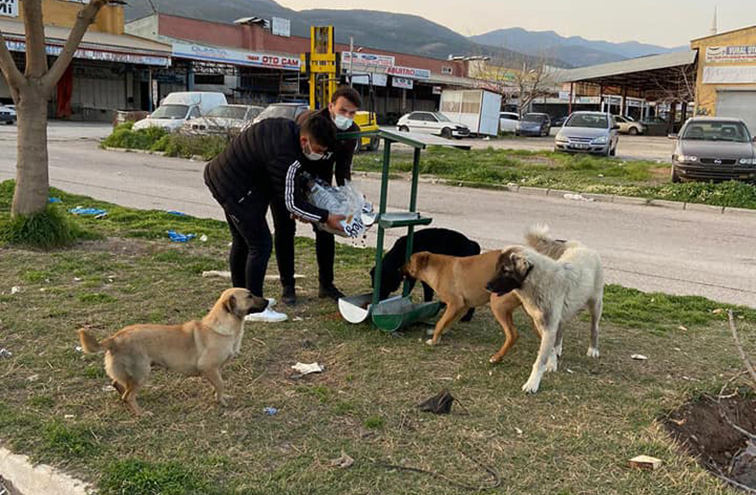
<point>344,200</point>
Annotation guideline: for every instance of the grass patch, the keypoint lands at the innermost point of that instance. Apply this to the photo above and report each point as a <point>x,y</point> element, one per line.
<point>140,477</point>
<point>582,173</point>
<point>585,423</point>
<point>51,229</point>
<point>172,144</point>
<point>69,441</point>
<point>124,136</point>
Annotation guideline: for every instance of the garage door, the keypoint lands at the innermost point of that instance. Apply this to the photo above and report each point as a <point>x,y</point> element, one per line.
<point>739,104</point>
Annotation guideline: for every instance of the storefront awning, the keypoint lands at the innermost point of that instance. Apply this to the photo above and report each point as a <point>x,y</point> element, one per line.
<point>106,47</point>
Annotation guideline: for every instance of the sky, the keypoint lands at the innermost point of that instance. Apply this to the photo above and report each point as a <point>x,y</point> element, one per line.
<point>660,22</point>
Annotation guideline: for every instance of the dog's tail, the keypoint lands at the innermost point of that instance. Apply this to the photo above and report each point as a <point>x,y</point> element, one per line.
<point>538,238</point>
<point>90,345</point>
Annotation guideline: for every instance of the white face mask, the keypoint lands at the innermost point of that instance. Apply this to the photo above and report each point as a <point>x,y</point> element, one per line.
<point>311,155</point>
<point>342,123</point>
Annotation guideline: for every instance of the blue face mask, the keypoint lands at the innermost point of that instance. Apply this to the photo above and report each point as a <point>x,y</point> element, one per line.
<point>342,123</point>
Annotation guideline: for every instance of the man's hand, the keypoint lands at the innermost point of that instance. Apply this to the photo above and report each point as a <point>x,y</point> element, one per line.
<point>334,222</point>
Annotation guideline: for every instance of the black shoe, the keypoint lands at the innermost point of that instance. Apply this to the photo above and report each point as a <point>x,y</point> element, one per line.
<point>289,295</point>
<point>330,292</point>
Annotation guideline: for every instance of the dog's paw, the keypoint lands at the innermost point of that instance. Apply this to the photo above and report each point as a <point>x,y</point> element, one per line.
<point>494,359</point>
<point>531,386</point>
<point>430,342</point>
<point>592,352</point>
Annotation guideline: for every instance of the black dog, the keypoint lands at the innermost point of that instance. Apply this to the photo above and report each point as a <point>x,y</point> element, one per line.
<point>438,241</point>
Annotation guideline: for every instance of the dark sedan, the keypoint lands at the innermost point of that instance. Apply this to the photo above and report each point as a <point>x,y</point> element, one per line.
<point>534,124</point>
<point>714,149</point>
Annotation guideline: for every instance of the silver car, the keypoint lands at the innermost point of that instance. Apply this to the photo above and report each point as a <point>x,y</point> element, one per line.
<point>713,149</point>
<point>588,132</point>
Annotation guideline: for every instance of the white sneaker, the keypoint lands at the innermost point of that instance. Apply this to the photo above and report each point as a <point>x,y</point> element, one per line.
<point>271,301</point>
<point>267,316</point>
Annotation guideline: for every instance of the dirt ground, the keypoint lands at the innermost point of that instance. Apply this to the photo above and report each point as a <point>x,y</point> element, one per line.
<point>702,430</point>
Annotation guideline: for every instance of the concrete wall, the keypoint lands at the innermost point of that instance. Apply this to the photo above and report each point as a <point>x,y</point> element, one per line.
<point>706,94</point>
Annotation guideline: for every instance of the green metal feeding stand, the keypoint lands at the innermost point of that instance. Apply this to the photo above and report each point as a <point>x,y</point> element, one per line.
<point>397,312</point>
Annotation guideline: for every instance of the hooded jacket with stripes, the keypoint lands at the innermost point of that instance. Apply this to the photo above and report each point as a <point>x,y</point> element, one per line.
<point>265,159</point>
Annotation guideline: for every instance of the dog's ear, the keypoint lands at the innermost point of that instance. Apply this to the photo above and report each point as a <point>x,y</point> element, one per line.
<point>520,264</point>
<point>421,260</point>
<point>230,305</point>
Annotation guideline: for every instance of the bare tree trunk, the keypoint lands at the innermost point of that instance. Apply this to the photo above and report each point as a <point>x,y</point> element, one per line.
<point>30,92</point>
<point>32,181</point>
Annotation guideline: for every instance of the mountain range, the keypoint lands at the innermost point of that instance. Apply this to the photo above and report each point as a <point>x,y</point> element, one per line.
<point>406,33</point>
<point>575,50</point>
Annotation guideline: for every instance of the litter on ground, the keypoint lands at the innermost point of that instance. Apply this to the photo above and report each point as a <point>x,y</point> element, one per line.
<point>306,369</point>
<point>577,197</point>
<point>270,411</point>
<point>440,403</point>
<point>81,211</point>
<point>179,237</point>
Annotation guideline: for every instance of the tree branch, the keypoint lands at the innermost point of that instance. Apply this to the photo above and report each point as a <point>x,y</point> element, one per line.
<point>85,17</point>
<point>743,356</point>
<point>34,32</point>
<point>8,66</point>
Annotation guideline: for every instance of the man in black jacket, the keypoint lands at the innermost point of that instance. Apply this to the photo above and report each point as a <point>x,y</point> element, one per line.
<point>262,165</point>
<point>344,104</point>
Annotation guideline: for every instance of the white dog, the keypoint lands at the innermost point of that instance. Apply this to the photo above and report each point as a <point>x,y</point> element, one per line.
<point>554,280</point>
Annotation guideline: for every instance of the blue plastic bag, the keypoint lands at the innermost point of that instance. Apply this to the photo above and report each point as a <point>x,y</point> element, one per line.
<point>178,237</point>
<point>87,211</point>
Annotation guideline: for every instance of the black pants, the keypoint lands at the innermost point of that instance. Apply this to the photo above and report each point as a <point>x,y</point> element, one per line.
<point>251,242</point>
<point>285,230</point>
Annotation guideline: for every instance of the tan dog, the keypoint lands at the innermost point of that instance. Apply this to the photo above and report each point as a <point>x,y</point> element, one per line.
<point>461,284</point>
<point>194,348</point>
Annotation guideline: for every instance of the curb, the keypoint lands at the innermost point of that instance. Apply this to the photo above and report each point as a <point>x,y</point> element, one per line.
<point>600,198</point>
<point>38,480</point>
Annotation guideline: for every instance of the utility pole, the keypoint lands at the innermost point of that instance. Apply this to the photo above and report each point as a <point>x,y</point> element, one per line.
<point>351,59</point>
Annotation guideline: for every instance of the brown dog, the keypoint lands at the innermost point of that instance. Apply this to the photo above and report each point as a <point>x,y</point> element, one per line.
<point>461,284</point>
<point>194,348</point>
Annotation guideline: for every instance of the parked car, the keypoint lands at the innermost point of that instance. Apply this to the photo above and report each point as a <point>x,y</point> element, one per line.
<point>179,107</point>
<point>559,122</point>
<point>711,148</point>
<point>8,114</point>
<point>432,123</point>
<point>628,126</point>
<point>283,110</point>
<point>224,120</point>
<point>508,121</point>
<point>534,124</point>
<point>588,132</point>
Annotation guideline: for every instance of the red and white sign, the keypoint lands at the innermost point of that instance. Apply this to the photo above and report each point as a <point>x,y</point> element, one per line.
<point>410,72</point>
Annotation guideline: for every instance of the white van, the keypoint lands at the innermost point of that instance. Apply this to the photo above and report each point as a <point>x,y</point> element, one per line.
<point>179,107</point>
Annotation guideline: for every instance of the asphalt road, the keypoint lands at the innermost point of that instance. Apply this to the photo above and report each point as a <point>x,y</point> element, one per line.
<point>649,248</point>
